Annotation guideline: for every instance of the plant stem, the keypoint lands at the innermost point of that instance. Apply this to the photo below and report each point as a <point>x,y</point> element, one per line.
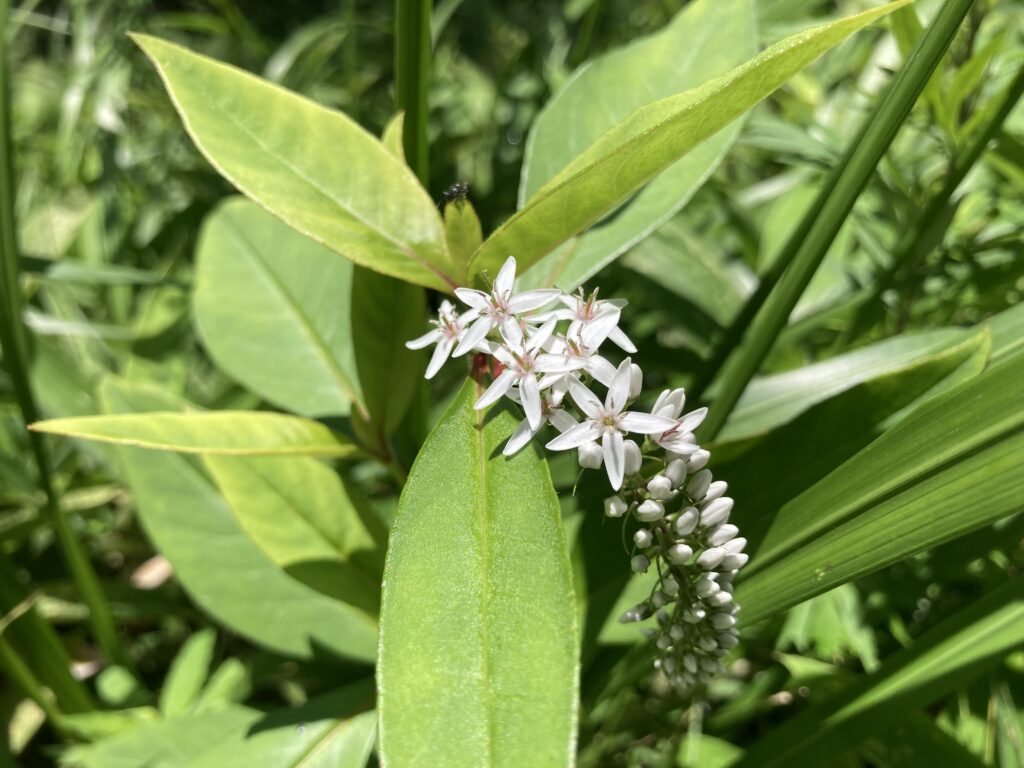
<point>14,343</point>
<point>412,76</point>
<point>19,673</point>
<point>831,208</point>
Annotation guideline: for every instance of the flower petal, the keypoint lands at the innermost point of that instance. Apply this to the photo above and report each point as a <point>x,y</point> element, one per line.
<point>596,331</point>
<point>529,393</point>
<point>618,390</point>
<point>473,298</point>
<point>622,341</point>
<point>498,387</point>
<point>692,420</point>
<point>524,302</point>
<point>614,457</point>
<point>601,370</point>
<point>561,420</point>
<point>512,333</point>
<point>440,356</point>
<point>542,335</point>
<point>584,432</point>
<point>585,399</point>
<point>428,338</point>
<point>476,333</point>
<point>557,363</point>
<point>506,277</point>
<point>519,438</point>
<point>645,423</point>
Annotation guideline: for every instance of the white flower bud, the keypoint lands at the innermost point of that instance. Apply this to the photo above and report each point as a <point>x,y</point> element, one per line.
<point>715,490</point>
<point>660,487</point>
<point>662,617</point>
<point>650,510</point>
<point>710,558</point>
<point>670,586</point>
<point>686,521</point>
<point>638,612</point>
<point>710,665</point>
<point>721,534</point>
<point>723,621</point>
<point>632,457</point>
<point>643,538</point>
<point>698,485</point>
<point>728,641</point>
<point>636,381</point>
<point>680,554</point>
<point>733,561</point>
<point>614,506</point>
<point>735,546</point>
<point>698,460</point>
<point>694,614</point>
<point>639,564</point>
<point>719,599</point>
<point>675,471</point>
<point>590,456</point>
<point>669,665</point>
<point>706,586</point>
<point>664,642</point>
<point>707,644</point>
<point>716,513</point>
<point>660,599</point>
<point>690,662</point>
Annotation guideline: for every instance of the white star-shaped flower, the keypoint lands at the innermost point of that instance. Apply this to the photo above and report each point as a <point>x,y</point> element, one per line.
<point>450,327</point>
<point>678,439</point>
<point>499,307</point>
<point>609,422</point>
<point>551,413</point>
<point>593,320</point>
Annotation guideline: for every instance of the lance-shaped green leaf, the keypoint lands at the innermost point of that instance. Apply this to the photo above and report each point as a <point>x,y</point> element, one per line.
<point>226,433</point>
<point>261,286</point>
<point>215,560</point>
<point>704,40</point>
<point>650,140</point>
<point>938,662</point>
<point>479,637</point>
<point>313,167</point>
<point>950,467</point>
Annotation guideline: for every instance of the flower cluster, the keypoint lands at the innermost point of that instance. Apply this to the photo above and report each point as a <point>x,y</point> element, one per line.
<point>653,461</point>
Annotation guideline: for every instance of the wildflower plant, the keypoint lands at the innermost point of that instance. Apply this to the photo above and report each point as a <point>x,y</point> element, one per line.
<point>486,538</point>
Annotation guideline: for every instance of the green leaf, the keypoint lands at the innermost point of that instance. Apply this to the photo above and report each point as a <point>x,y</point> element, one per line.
<point>462,230</point>
<point>941,660</point>
<point>479,636</point>
<point>217,563</point>
<point>226,433</point>
<point>831,625</point>
<point>315,168</point>
<point>332,731</point>
<point>650,140</point>
<point>298,513</point>
<point>706,39</point>
<point>771,401</point>
<point>187,674</point>
<point>262,286</point>
<point>948,468</point>
<point>703,751</point>
<point>918,741</point>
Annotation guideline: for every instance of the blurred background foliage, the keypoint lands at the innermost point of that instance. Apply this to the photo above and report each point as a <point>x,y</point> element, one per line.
<point>111,194</point>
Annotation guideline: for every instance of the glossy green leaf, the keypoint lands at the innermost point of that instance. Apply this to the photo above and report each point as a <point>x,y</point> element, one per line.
<point>650,140</point>
<point>942,660</point>
<point>214,559</point>
<point>773,400</point>
<point>479,636</point>
<point>262,286</point>
<point>187,674</point>
<point>332,731</point>
<point>950,467</point>
<point>830,626</point>
<point>298,513</point>
<point>704,40</point>
<point>315,168</point>
<point>917,741</point>
<point>462,229</point>
<point>227,433</point>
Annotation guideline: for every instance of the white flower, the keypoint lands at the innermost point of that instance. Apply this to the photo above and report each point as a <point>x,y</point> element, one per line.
<point>522,364</point>
<point>499,307</point>
<point>679,439</point>
<point>584,358</point>
<point>550,413</point>
<point>450,327</point>
<point>608,422</point>
<point>594,320</point>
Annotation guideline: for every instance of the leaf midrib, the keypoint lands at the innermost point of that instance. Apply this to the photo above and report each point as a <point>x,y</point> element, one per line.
<point>480,447</point>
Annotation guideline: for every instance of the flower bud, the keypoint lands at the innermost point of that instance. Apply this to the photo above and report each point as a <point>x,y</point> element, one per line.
<point>721,534</point>
<point>728,641</point>
<point>706,586</point>
<point>636,613</point>
<point>686,521</point>
<point>590,456</point>
<point>677,632</point>
<point>723,621</point>
<point>636,381</point>
<point>632,458</point>
<point>670,586</point>
<point>698,485</point>
<point>614,506</point>
<point>660,487</point>
<point>664,642</point>
<point>650,510</point>
<point>698,460</point>
<point>735,546</point>
<point>679,554</point>
<point>659,599</point>
<point>715,490</point>
<point>733,561</point>
<point>716,513</point>
<point>639,564</point>
<point>675,471</point>
<point>719,599</point>
<point>710,558</point>
<point>643,538</point>
<point>690,662</point>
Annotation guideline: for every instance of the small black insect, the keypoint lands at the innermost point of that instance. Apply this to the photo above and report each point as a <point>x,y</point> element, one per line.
<point>457,191</point>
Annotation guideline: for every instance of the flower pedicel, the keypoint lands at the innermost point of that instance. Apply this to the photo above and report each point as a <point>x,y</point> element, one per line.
<point>683,514</point>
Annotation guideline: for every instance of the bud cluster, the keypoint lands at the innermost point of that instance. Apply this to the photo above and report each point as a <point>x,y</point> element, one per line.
<point>661,481</point>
